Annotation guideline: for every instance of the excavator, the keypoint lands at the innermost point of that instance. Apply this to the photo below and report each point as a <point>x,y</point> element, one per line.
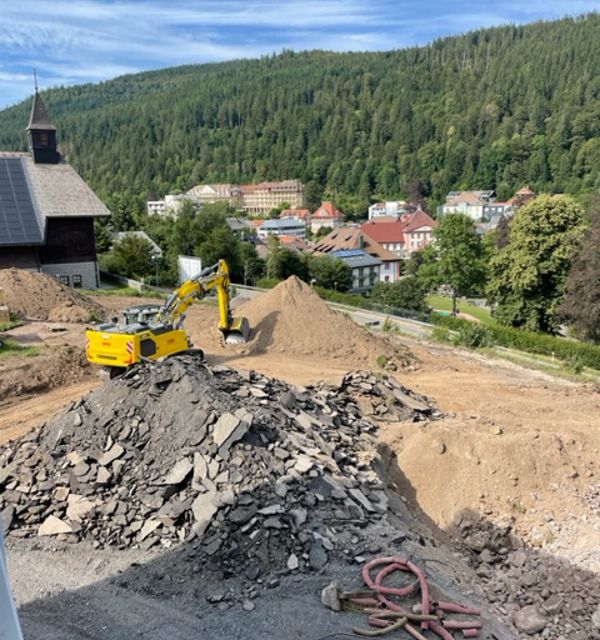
<point>153,332</point>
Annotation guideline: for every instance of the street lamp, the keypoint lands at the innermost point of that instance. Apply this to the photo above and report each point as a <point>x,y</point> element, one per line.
<point>155,259</point>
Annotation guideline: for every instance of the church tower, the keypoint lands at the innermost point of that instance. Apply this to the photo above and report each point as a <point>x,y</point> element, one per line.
<point>41,133</point>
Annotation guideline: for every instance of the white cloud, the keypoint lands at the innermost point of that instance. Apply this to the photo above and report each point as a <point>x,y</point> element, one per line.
<point>73,41</point>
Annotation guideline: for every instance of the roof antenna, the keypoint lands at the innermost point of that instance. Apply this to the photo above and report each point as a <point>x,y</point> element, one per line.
<point>35,84</point>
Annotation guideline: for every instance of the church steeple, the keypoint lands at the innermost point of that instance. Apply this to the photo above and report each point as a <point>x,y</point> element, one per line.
<point>41,133</point>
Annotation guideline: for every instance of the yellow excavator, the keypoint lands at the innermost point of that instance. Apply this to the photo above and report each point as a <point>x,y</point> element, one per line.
<point>153,332</point>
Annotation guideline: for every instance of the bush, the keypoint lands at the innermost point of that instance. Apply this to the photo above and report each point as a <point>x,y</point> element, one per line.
<point>441,334</point>
<point>351,299</point>
<point>473,336</point>
<point>587,355</point>
<point>267,283</point>
<point>382,361</point>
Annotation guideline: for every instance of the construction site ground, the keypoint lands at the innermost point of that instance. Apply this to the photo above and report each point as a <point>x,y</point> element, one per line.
<point>516,445</point>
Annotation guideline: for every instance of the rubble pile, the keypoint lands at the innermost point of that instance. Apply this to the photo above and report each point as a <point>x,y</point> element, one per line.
<point>260,473</point>
<point>384,399</point>
<point>541,595</point>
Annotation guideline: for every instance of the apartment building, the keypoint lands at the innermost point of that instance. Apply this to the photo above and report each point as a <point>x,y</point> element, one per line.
<point>206,193</point>
<point>261,198</point>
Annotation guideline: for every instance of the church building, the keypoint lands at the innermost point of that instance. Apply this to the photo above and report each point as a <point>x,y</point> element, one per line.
<point>47,211</point>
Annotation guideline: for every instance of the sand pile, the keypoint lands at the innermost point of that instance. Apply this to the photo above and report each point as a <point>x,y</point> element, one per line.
<point>293,319</point>
<point>38,296</point>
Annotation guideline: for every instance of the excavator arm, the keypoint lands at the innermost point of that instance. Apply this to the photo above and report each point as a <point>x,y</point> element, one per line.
<point>214,277</point>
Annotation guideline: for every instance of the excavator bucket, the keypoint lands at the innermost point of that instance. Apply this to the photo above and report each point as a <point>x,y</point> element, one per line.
<point>238,332</point>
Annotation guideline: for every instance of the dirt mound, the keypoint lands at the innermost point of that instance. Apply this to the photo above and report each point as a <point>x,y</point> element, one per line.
<point>24,376</point>
<point>293,319</point>
<point>38,296</point>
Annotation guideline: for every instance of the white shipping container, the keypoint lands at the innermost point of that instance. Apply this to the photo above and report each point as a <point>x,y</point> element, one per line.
<point>189,267</point>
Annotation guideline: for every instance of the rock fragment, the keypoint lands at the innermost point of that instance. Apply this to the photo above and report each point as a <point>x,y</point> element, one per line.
<point>53,526</point>
<point>529,620</point>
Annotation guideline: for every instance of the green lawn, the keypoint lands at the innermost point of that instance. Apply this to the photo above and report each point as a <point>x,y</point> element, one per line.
<point>443,303</point>
<point>5,326</point>
<point>122,291</point>
<point>11,348</point>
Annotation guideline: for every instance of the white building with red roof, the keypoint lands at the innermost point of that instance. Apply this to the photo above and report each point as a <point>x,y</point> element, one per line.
<point>402,237</point>
<point>418,232</point>
<point>389,235</point>
<point>327,215</point>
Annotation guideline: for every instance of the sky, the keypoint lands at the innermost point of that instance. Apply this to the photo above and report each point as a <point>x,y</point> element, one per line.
<point>76,41</point>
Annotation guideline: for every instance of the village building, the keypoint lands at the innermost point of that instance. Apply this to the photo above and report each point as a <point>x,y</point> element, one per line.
<point>352,238</point>
<point>469,203</point>
<point>206,193</point>
<point>260,199</point>
<point>47,211</point>
<point>391,208</point>
<point>418,232</point>
<point>365,268</point>
<point>327,215</point>
<point>300,214</point>
<point>390,235</point>
<point>170,206</point>
<point>286,227</point>
<point>412,232</point>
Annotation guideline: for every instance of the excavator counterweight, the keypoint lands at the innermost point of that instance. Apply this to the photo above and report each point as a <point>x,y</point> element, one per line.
<point>153,332</point>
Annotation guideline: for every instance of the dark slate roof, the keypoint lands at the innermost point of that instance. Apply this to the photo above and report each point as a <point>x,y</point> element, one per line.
<point>39,118</point>
<point>355,258</point>
<point>43,191</point>
<point>19,220</point>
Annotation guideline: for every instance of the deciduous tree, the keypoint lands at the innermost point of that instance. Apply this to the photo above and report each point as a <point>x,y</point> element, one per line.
<point>581,306</point>
<point>408,293</point>
<point>330,273</point>
<point>527,277</point>
<point>455,259</point>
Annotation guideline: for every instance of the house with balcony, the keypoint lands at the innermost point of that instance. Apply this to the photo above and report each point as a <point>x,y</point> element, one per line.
<point>364,267</point>
<point>391,208</point>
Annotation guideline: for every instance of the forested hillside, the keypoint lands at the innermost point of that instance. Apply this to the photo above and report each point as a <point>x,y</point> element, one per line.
<point>496,108</point>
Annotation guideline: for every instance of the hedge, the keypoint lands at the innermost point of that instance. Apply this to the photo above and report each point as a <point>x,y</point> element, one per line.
<point>587,354</point>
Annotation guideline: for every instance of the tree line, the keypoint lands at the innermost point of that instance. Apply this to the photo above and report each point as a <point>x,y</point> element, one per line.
<point>492,109</point>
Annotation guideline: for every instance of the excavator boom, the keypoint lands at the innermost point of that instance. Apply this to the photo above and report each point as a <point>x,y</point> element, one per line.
<point>152,332</point>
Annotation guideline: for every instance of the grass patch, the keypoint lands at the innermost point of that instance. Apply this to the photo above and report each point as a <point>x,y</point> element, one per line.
<point>5,326</point>
<point>443,303</point>
<point>576,355</point>
<point>130,292</point>
<point>11,348</point>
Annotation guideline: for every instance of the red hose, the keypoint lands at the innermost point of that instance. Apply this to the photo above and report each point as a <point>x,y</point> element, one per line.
<point>462,624</point>
<point>398,563</point>
<point>450,607</point>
